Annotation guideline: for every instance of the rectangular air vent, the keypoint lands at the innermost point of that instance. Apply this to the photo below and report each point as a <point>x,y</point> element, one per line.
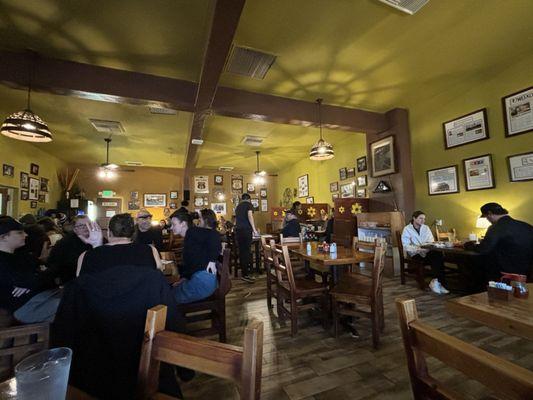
<point>227,169</point>
<point>162,111</point>
<point>248,62</point>
<point>134,163</point>
<point>107,127</point>
<point>407,6</point>
<point>252,140</point>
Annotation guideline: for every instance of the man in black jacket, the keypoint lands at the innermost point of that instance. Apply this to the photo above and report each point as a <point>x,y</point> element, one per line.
<point>508,243</point>
<point>146,233</point>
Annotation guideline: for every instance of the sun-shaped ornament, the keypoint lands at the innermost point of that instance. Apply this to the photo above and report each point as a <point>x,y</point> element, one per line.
<point>300,212</point>
<point>356,208</point>
<point>275,213</point>
<point>311,212</point>
<point>341,210</point>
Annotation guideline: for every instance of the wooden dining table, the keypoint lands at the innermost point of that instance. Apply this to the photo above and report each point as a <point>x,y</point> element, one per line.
<point>8,391</point>
<point>335,262</point>
<point>514,316</point>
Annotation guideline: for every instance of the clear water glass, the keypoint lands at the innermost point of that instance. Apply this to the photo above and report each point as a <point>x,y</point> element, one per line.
<point>44,375</point>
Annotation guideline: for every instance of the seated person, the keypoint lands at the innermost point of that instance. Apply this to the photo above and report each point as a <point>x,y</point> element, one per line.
<point>292,227</point>
<point>296,209</point>
<point>53,232</point>
<point>120,250</point>
<point>201,250</point>
<point>145,233</point>
<point>507,246</point>
<point>24,289</point>
<point>417,234</point>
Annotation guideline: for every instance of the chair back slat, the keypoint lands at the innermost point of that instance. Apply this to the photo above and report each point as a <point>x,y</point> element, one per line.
<point>379,265</point>
<point>291,240</point>
<point>499,375</point>
<point>282,263</point>
<point>400,247</point>
<point>223,275</point>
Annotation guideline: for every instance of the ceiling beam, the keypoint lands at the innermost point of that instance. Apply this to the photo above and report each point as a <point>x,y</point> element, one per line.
<point>223,27</point>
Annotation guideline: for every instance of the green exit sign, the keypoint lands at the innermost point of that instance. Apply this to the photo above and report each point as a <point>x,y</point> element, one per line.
<point>107,193</point>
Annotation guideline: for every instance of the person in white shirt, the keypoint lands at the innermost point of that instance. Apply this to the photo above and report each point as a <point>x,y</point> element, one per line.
<point>414,236</point>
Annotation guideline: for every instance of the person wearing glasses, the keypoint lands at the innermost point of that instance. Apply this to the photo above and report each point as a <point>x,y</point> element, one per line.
<point>146,233</point>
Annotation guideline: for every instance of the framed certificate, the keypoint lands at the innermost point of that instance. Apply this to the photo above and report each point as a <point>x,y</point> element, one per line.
<point>518,112</point>
<point>520,167</point>
<point>443,180</point>
<point>479,173</point>
<point>466,129</point>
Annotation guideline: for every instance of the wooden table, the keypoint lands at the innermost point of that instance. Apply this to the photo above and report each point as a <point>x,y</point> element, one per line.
<point>460,251</point>
<point>514,316</point>
<point>334,261</point>
<point>8,391</point>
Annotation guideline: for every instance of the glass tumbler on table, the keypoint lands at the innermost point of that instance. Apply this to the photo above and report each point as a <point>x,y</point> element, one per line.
<point>44,375</point>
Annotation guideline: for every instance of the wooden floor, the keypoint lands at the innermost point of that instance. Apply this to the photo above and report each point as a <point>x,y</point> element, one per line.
<point>313,365</point>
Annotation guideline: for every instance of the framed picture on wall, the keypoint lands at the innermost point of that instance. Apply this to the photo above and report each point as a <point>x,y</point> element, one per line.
<point>383,159</point>
<point>310,200</point>
<point>201,201</point>
<point>361,164</point>
<point>342,173</point>
<point>518,112</point>
<point>134,195</point>
<point>33,204</point>
<point>24,180</point>
<point>478,173</point>
<point>334,187</point>
<point>219,208</point>
<point>34,189</point>
<point>334,196</point>
<point>237,183</point>
<point>41,198</point>
<point>303,186</point>
<point>134,204</point>
<point>347,190</point>
<point>155,200</point>
<point>44,185</point>
<point>361,180</point>
<point>264,205</point>
<point>34,169</point>
<point>263,193</point>
<point>173,205</point>
<point>361,193</point>
<point>443,180</point>
<point>8,170</point>
<point>250,188</point>
<point>520,167</point>
<point>350,172</point>
<point>255,204</point>
<point>219,180</point>
<point>466,129</point>
<point>201,184</point>
<point>174,194</point>
<point>24,195</point>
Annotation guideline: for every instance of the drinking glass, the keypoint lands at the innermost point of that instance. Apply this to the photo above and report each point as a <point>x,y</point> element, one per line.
<point>44,376</point>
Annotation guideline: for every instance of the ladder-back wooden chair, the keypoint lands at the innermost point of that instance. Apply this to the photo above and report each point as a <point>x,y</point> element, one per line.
<point>241,365</point>
<point>499,375</point>
<point>271,277</point>
<point>410,266</point>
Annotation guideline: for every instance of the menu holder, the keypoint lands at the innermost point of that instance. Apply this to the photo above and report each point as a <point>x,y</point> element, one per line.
<point>499,294</point>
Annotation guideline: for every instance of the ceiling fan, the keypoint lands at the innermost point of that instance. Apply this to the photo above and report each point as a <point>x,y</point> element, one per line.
<point>109,170</point>
<point>259,174</point>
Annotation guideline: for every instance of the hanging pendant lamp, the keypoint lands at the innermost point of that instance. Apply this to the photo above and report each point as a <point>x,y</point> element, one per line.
<point>25,125</point>
<point>322,150</point>
<point>259,178</point>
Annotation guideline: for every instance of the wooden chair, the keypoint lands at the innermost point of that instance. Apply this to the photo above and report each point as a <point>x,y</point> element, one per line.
<point>234,251</point>
<point>213,308</point>
<point>294,290</point>
<point>18,342</point>
<point>290,240</point>
<point>355,290</point>
<point>503,377</point>
<point>175,245</point>
<point>414,268</point>
<point>445,236</point>
<point>239,364</point>
<point>271,278</point>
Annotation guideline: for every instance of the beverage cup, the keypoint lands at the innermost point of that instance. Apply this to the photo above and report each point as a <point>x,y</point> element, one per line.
<point>44,375</point>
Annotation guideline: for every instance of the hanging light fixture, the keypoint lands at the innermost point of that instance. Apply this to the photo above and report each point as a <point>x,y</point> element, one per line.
<point>25,125</point>
<point>259,175</point>
<point>322,150</point>
<point>107,169</point>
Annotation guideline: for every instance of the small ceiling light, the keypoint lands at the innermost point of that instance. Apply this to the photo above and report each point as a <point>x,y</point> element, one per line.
<point>259,175</point>
<point>322,150</point>
<point>25,125</point>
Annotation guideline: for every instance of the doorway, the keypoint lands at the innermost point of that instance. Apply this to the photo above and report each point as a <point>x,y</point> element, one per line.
<point>7,195</point>
<point>105,209</point>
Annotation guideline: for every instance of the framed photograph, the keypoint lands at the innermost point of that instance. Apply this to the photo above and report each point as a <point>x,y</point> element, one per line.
<point>219,180</point>
<point>334,196</point>
<point>361,193</point>
<point>350,172</point>
<point>361,180</point>
<point>201,184</point>
<point>466,129</point>
<point>443,180</point>
<point>34,169</point>
<point>264,205</point>
<point>24,195</point>
<point>24,180</point>
<point>250,188</point>
<point>8,170</point>
<point>303,186</point>
<point>173,205</point>
<point>520,167</point>
<point>134,195</point>
<point>155,200</point>
<point>310,200</point>
<point>44,185</point>
<point>41,198</point>
<point>34,189</point>
<point>347,190</point>
<point>361,164</point>
<point>255,203</point>
<point>383,160</point>
<point>134,204</point>
<point>334,187</point>
<point>263,193</point>
<point>219,208</point>
<point>479,173</point>
<point>342,174</point>
<point>518,112</point>
<point>174,194</point>
<point>201,201</point>
<point>33,204</point>
<point>237,183</point>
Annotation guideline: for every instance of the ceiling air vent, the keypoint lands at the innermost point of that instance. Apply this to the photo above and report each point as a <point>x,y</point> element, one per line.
<point>252,140</point>
<point>407,6</point>
<point>226,169</point>
<point>134,163</point>
<point>248,62</point>
<point>107,127</point>
<point>163,111</point>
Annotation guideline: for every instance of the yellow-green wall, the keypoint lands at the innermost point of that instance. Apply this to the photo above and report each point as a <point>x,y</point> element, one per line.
<point>348,147</point>
<point>461,210</point>
<point>20,155</point>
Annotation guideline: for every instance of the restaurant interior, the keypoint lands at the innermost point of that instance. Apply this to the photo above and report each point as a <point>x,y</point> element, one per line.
<point>363,122</point>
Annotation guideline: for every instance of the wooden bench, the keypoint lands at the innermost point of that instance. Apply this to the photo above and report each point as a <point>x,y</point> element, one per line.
<point>501,376</point>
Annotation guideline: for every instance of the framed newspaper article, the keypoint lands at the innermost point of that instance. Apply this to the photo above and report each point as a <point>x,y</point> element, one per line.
<point>443,180</point>
<point>520,167</point>
<point>518,112</point>
<point>479,173</point>
<point>466,129</point>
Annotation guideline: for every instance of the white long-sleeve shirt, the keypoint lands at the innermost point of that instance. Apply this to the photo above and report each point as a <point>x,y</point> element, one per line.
<point>412,240</point>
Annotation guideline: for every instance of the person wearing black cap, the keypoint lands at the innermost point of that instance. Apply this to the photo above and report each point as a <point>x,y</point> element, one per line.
<point>508,243</point>
<point>23,287</point>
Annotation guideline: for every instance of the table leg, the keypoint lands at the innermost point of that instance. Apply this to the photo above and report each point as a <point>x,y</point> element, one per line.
<point>257,258</point>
